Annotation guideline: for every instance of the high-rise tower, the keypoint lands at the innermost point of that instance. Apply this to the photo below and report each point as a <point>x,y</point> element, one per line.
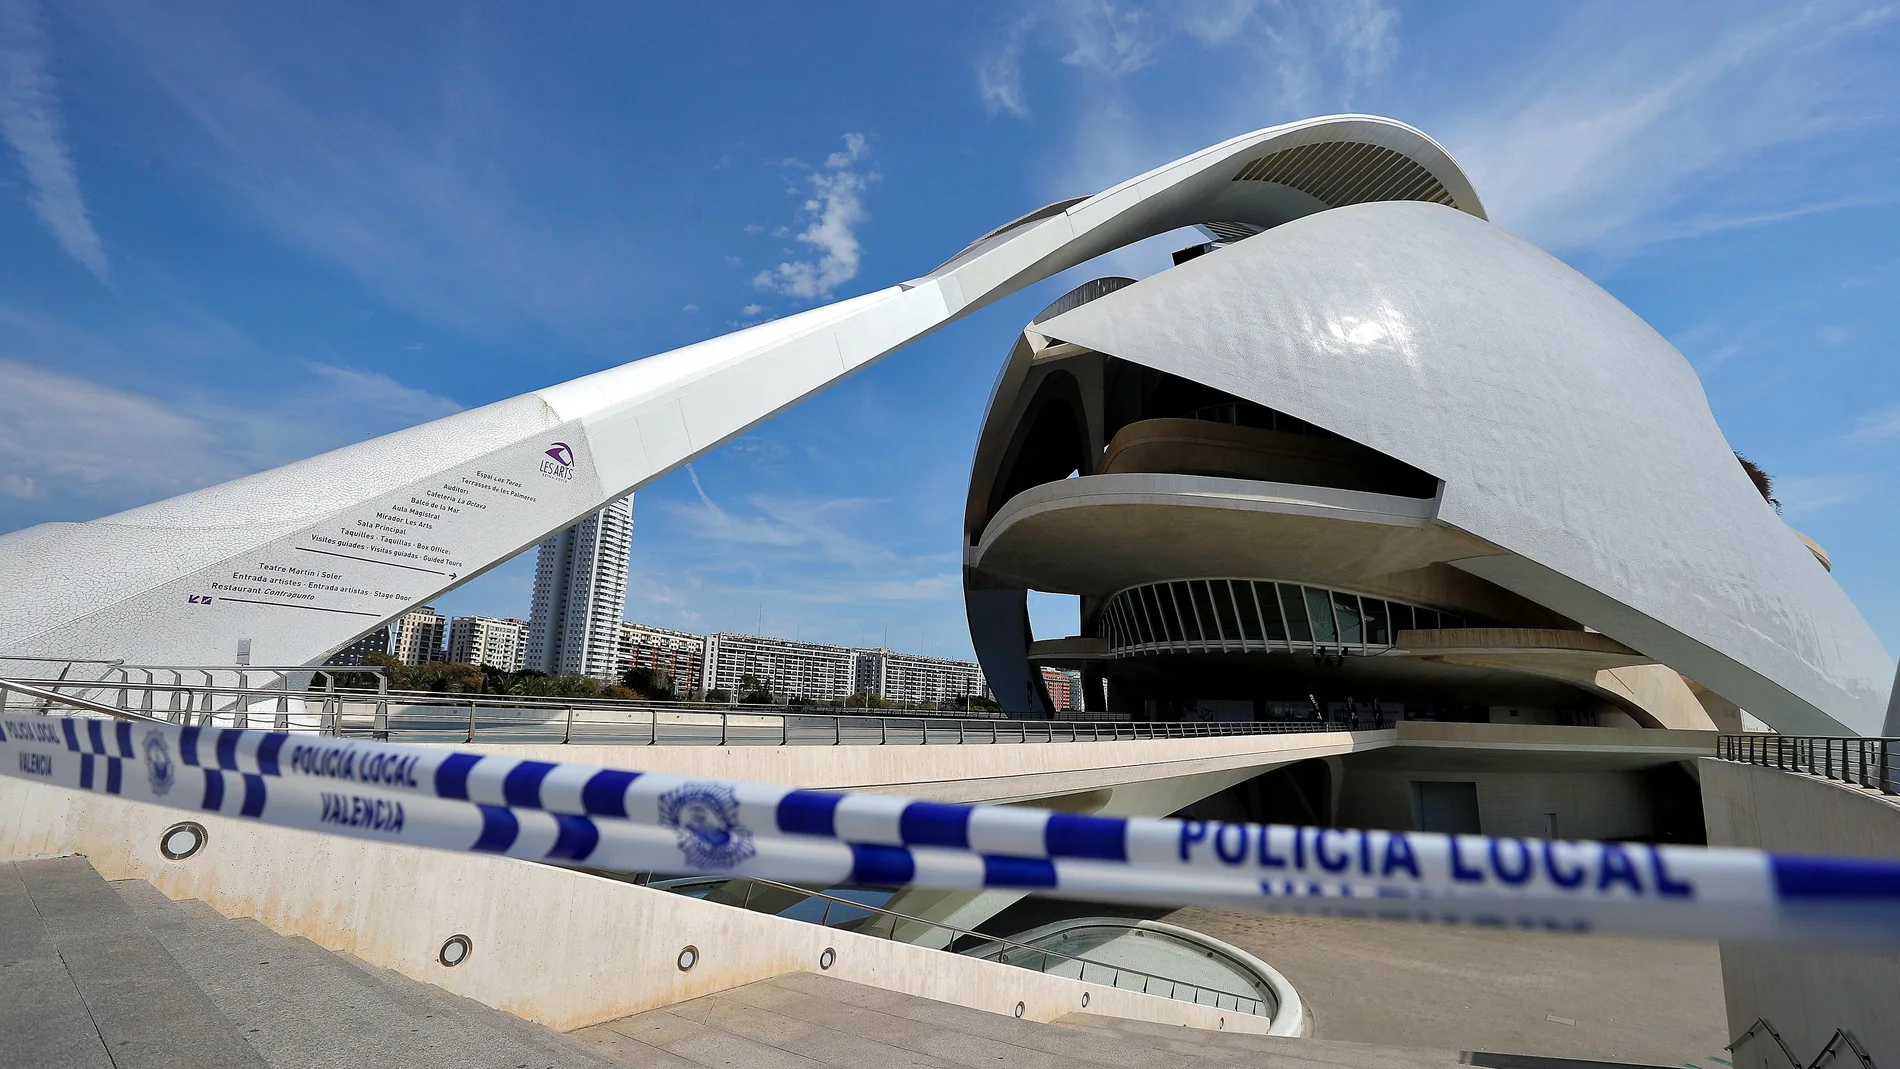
<point>580,587</point>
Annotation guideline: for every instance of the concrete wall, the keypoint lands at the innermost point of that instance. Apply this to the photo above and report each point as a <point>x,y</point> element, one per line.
<point>1589,805</point>
<point>561,948</point>
<point>974,773</point>
<point>1805,994</point>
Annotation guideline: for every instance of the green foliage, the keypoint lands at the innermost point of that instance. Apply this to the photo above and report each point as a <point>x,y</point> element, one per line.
<point>648,683</point>
<point>755,691</point>
<point>446,678</point>
<point>636,684</point>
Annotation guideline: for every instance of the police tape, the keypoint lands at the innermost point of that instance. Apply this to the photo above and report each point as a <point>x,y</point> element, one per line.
<point>617,820</point>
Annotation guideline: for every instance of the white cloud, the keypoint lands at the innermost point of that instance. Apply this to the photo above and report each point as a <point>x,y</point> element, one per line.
<point>835,207</point>
<point>817,540</point>
<point>1293,45</point>
<point>1111,38</point>
<point>79,443</point>
<point>1805,495</point>
<point>999,78</point>
<point>1879,427</point>
<point>375,390</point>
<point>30,122</point>
<point>66,437</point>
<point>1577,132</point>
<point>1610,130</point>
<point>921,589</point>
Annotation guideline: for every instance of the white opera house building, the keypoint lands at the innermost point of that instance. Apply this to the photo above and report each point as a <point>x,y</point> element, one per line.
<point>1378,516</point>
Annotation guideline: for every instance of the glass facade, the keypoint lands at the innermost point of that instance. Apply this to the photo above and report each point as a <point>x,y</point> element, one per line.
<point>1235,615</point>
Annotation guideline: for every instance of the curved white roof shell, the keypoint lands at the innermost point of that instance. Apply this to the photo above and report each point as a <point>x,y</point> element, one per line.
<point>1566,431</point>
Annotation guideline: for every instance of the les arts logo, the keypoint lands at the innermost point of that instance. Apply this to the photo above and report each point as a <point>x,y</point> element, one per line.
<point>560,462</point>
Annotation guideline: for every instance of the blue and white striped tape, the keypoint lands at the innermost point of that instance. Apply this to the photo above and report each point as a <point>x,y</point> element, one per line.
<point>584,815</point>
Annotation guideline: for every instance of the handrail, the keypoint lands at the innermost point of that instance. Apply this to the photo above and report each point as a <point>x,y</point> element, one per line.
<point>1002,942</point>
<point>47,696</point>
<point>467,717</point>
<point>1862,761</point>
<point>1827,1049</point>
<point>510,700</point>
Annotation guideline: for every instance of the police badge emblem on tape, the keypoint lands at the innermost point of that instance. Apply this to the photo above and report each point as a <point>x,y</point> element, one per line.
<point>705,817</point>
<point>158,762</point>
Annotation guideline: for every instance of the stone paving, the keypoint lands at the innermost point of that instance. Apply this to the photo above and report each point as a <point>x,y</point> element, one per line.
<point>117,976</point>
<point>804,1021</point>
<point>1632,1000</point>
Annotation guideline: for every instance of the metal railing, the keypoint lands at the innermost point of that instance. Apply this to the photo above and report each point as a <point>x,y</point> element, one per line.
<point>865,919</point>
<point>40,700</point>
<point>1841,1037</point>
<point>436,717</point>
<point>285,704</point>
<point>1864,762</point>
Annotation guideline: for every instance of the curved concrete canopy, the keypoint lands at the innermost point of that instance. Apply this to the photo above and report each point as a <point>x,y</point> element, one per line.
<point>298,561</point>
<point>1568,434</point>
<point>1097,534</point>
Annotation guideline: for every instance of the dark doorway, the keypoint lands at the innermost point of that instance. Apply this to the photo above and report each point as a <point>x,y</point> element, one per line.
<point>1447,807</point>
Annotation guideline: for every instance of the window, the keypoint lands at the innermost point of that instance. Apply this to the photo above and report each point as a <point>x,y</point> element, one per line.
<point>1291,601</point>
<point>1160,614</point>
<point>1204,611</point>
<point>1377,632</point>
<point>1189,628</point>
<point>1224,611</point>
<point>1147,616</point>
<point>1319,607</point>
<point>1242,592</point>
<point>1346,609</point>
<point>1228,614</point>
<point>1270,617</point>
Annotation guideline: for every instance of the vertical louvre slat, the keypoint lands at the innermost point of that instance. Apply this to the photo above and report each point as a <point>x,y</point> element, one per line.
<point>1348,172</point>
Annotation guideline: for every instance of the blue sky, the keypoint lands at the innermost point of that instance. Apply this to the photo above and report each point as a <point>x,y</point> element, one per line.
<point>233,235</point>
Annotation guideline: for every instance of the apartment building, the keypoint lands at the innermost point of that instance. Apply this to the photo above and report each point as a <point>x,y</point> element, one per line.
<point>679,654</point>
<point>785,667</point>
<point>497,643</point>
<point>417,637</point>
<point>580,590</point>
<point>913,678</point>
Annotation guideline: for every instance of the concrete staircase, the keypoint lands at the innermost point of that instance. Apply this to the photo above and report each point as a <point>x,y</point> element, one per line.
<point>117,976</point>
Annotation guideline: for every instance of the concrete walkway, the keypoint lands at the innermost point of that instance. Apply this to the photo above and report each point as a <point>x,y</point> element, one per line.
<point>117,976</point>
<point>1631,1000</point>
<point>807,1021</point>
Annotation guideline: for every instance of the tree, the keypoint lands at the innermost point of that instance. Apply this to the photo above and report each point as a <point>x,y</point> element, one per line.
<point>650,683</point>
<point>757,697</point>
<point>1764,482</point>
<point>754,691</point>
